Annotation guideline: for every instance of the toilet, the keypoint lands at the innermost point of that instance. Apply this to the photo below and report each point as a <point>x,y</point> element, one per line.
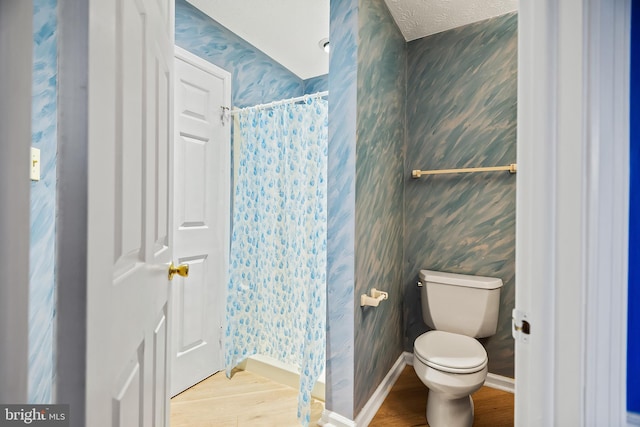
<point>448,359</point>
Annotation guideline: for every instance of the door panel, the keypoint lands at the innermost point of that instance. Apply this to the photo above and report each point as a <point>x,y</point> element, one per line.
<point>202,210</point>
<point>192,312</point>
<point>160,130</point>
<point>160,371</point>
<point>193,168</point>
<point>129,112</point>
<point>129,192</point>
<point>128,401</point>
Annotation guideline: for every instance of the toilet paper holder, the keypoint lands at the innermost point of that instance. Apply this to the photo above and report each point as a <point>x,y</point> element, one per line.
<point>374,299</point>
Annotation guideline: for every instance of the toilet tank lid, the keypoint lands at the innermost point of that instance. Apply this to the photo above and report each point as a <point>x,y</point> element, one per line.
<point>466,280</point>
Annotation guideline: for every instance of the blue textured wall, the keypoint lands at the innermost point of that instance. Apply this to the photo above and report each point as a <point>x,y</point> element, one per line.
<point>316,84</point>
<point>43,204</point>
<point>382,56</point>
<point>256,78</point>
<point>341,206</point>
<point>633,310</point>
<point>461,112</point>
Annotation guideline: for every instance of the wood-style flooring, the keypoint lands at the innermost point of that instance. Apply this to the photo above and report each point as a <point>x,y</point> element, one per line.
<point>251,400</point>
<point>246,399</point>
<point>406,405</point>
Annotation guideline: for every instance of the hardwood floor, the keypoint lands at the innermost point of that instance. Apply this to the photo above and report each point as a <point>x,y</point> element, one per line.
<point>406,405</point>
<point>246,399</point>
<point>251,400</point>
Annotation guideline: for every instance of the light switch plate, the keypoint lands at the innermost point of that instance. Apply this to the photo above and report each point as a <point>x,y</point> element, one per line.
<point>35,164</point>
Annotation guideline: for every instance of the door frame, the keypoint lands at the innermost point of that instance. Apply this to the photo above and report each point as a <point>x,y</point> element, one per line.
<point>16,42</point>
<point>572,211</point>
<point>72,203</point>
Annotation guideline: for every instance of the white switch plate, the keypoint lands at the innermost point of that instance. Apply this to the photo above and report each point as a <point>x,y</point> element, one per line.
<point>35,164</point>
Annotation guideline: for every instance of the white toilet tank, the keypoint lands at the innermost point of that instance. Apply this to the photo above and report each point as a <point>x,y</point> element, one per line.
<point>460,303</point>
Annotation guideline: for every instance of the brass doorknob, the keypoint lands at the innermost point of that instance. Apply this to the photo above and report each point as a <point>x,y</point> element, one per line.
<point>181,270</point>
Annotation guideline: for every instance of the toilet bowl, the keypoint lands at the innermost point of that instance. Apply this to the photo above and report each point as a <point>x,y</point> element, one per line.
<point>448,359</point>
<point>452,366</point>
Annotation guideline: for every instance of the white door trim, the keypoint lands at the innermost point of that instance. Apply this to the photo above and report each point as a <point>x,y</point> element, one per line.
<point>72,202</point>
<point>534,223</point>
<point>572,211</point>
<point>16,42</point>
<point>203,64</point>
<point>607,43</point>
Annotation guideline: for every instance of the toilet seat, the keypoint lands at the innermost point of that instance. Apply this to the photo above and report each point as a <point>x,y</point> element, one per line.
<point>449,352</point>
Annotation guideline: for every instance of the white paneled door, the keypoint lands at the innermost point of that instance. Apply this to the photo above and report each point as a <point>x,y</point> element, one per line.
<point>201,218</point>
<point>130,125</point>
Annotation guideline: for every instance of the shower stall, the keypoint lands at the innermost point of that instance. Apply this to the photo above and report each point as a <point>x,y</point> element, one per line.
<point>276,300</point>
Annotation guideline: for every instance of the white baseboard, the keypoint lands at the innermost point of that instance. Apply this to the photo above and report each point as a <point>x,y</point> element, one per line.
<point>332,419</point>
<point>377,398</point>
<point>282,373</point>
<point>633,419</point>
<point>501,383</point>
<point>408,358</point>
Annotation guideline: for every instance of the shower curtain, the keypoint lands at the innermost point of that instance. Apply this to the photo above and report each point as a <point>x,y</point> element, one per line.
<point>277,279</point>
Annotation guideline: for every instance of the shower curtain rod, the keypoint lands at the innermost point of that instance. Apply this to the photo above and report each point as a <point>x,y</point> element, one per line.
<point>282,101</point>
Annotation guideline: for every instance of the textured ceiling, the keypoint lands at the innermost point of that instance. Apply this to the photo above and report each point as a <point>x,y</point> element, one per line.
<point>289,30</point>
<point>420,18</point>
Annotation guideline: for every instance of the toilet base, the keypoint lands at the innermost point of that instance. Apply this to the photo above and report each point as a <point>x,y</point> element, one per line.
<point>442,411</point>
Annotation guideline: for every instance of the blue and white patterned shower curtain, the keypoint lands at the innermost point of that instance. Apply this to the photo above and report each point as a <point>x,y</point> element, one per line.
<point>277,281</point>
